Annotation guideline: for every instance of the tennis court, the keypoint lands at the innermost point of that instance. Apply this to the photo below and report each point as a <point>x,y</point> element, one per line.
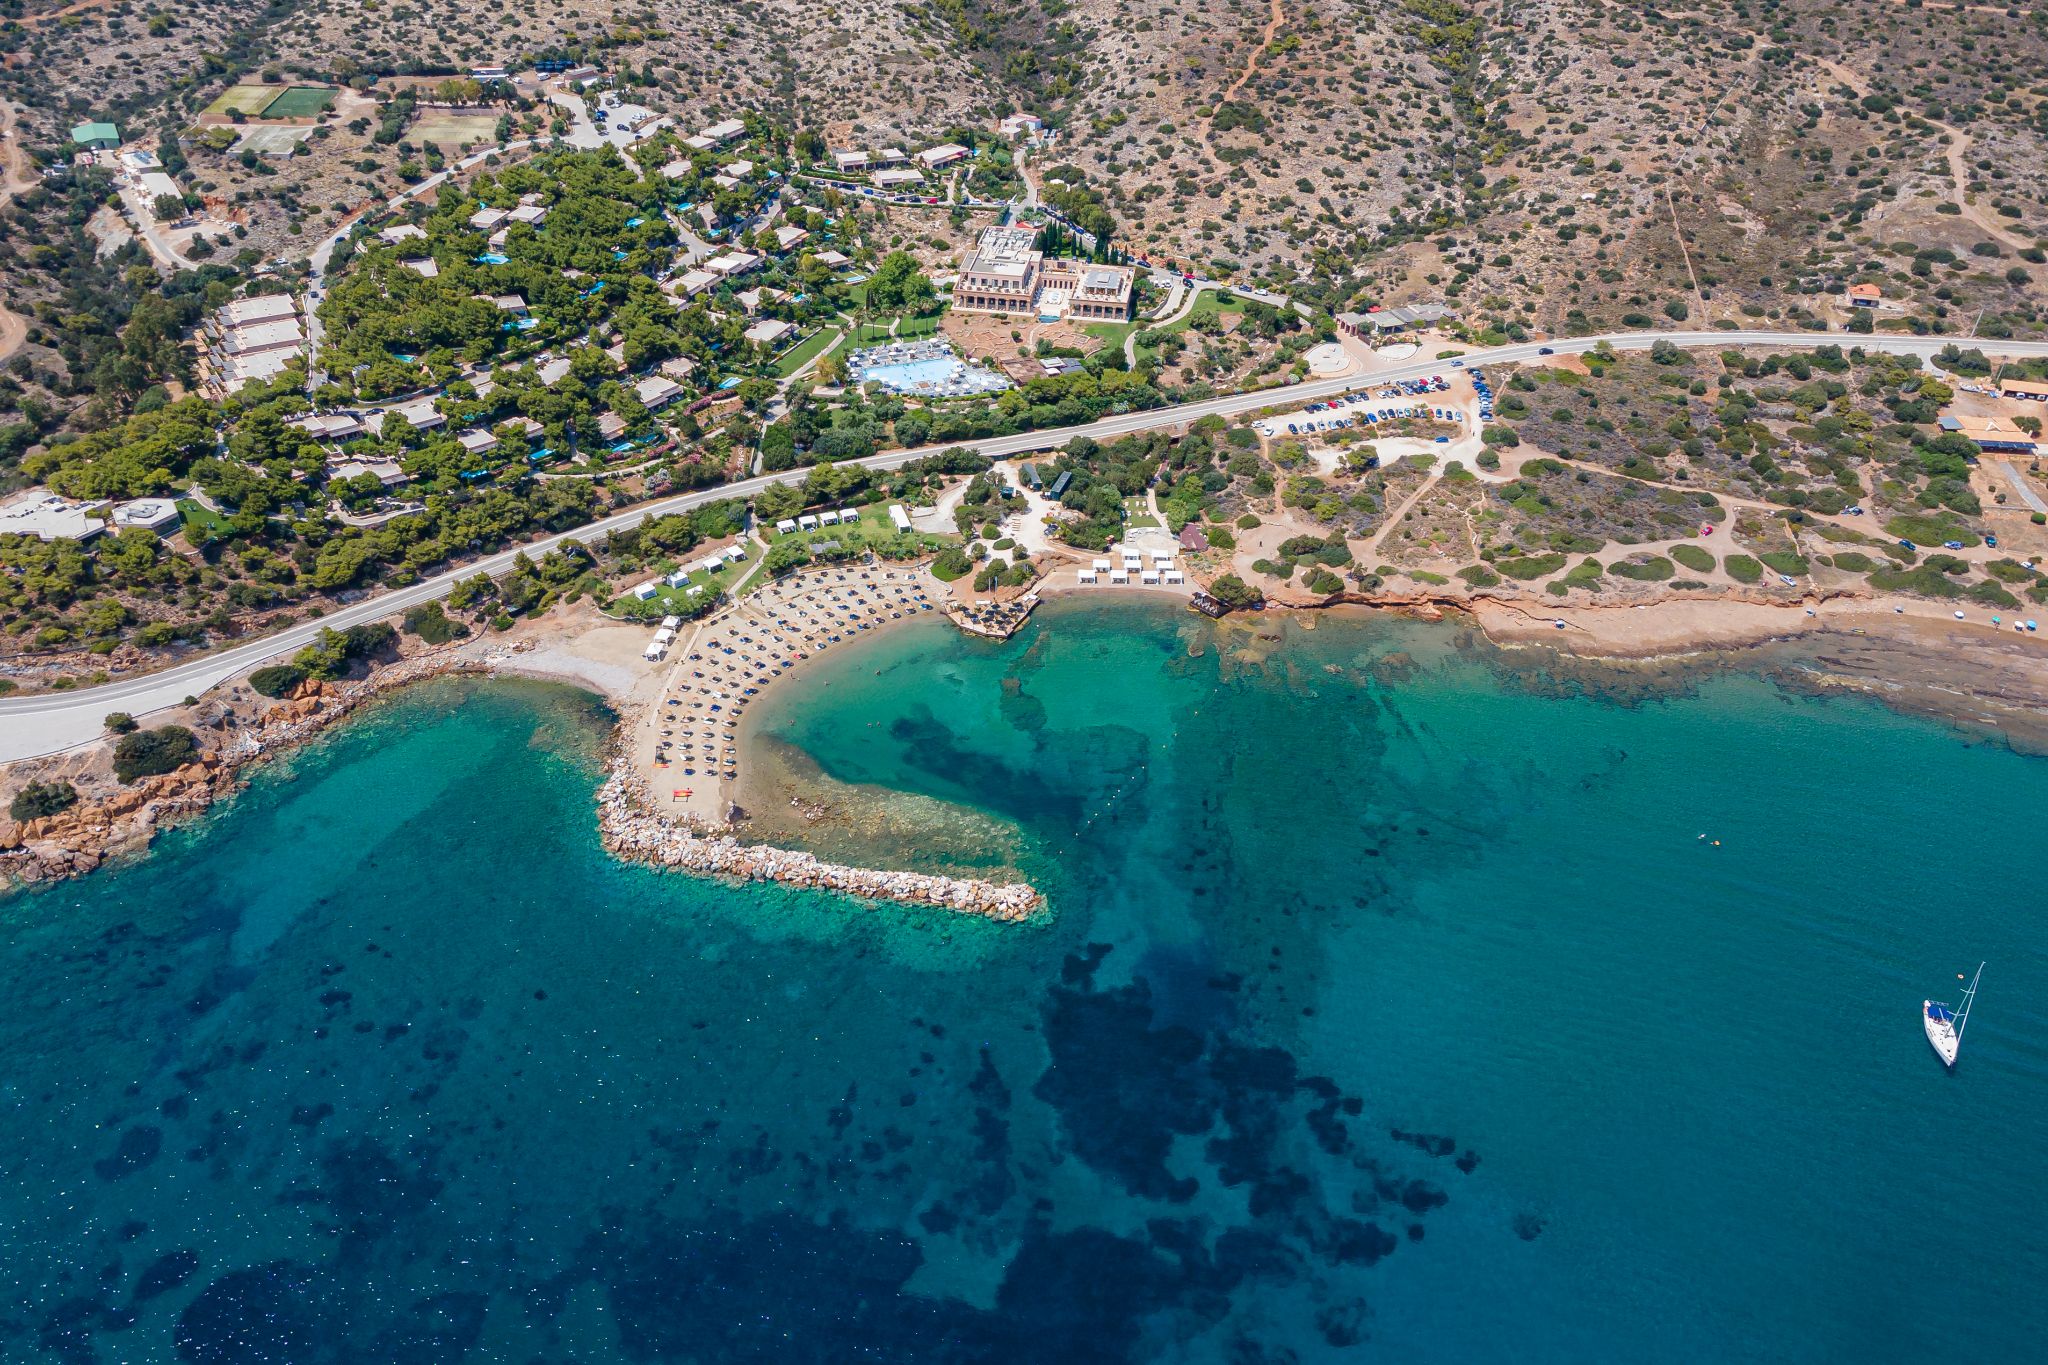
<point>300,101</point>
<point>247,99</point>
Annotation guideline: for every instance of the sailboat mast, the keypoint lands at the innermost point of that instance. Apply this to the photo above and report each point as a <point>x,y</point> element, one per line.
<point>1969,999</point>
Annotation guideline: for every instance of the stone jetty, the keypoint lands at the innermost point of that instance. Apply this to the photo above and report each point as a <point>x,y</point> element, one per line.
<point>631,831</point>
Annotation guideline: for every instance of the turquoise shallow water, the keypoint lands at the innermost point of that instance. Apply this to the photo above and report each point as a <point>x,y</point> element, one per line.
<point>1392,1008</point>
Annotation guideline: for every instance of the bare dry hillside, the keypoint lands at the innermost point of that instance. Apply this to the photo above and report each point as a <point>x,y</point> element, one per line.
<point>1553,165</point>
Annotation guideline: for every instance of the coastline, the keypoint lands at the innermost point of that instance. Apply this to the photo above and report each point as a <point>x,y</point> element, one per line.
<point>1902,653</point>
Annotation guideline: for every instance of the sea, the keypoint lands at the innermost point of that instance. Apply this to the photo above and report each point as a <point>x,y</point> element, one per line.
<point>1397,999</point>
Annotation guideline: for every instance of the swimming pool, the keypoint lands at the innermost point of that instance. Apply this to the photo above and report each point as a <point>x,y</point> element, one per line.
<point>929,368</point>
<point>911,374</point>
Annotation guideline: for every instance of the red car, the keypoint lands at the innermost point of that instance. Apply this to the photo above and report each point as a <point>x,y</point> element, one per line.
<point>1707,529</point>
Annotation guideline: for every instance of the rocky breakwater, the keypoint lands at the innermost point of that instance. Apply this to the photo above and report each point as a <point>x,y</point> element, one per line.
<point>631,831</point>
<point>79,839</point>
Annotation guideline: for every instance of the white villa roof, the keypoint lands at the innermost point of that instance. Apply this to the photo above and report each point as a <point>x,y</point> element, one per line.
<point>420,412</point>
<point>151,514</point>
<point>44,515</point>
<point>267,308</point>
<point>656,389</point>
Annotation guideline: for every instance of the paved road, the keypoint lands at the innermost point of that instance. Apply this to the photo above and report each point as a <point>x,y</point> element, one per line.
<point>2019,484</point>
<point>51,722</point>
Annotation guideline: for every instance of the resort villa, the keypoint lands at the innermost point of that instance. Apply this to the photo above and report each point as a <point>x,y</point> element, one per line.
<point>1006,273</point>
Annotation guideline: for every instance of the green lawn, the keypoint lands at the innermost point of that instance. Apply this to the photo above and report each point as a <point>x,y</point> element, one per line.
<point>805,351</point>
<point>724,580</point>
<point>300,101</point>
<point>1112,333</point>
<point>1205,307</point>
<point>198,517</point>
<point>907,329</point>
<point>873,524</point>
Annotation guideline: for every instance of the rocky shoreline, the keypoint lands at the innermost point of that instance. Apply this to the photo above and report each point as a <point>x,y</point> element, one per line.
<point>633,832</point>
<point>82,838</point>
<point>78,840</point>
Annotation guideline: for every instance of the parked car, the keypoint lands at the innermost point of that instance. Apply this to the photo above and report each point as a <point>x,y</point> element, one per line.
<point>1907,545</point>
<point>1706,528</point>
<point>1991,542</point>
<point>1952,545</point>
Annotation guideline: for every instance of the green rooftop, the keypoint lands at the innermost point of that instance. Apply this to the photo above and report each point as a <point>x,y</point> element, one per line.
<point>96,135</point>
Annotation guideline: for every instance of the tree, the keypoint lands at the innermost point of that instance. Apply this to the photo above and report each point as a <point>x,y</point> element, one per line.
<point>899,285</point>
<point>784,555</point>
<point>39,799</point>
<point>277,679</point>
<point>433,625</point>
<point>1235,593</point>
<point>146,753</point>
<point>777,501</point>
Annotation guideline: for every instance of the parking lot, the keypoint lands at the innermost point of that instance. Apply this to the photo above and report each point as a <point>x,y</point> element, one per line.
<point>1417,399</point>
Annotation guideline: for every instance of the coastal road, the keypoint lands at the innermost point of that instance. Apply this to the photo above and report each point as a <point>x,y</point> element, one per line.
<point>51,722</point>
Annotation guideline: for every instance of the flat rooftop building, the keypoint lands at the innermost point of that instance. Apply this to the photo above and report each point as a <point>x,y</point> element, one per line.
<point>1006,273</point>
<point>46,516</point>
<point>266,308</point>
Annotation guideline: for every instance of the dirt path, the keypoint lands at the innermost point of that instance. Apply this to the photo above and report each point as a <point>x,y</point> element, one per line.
<point>1958,155</point>
<point>19,178</point>
<point>1400,514</point>
<point>1251,65</point>
<point>1274,23</point>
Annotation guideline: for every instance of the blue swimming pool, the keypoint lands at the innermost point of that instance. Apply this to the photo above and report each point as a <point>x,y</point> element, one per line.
<point>909,374</point>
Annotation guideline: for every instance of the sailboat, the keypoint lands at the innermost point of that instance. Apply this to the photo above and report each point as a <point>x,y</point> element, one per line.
<point>1944,1025</point>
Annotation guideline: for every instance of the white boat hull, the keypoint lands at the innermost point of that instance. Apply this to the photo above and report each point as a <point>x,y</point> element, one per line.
<point>1941,1032</point>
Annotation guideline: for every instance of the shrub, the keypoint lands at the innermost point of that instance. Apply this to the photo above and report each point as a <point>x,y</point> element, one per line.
<point>952,563</point>
<point>1784,561</point>
<point>120,722</point>
<point>1929,530</point>
<point>1479,576</point>
<point>1650,569</point>
<point>1991,594</point>
<point>1923,579</point>
<point>1693,557</point>
<point>1324,582</point>
<point>1854,561</point>
<point>145,753</point>
<point>39,799</point>
<point>1743,569</point>
<point>433,625</point>
<point>1234,592</point>
<point>1247,522</point>
<point>277,679</point>
<point>1530,566</point>
<point>1585,574</point>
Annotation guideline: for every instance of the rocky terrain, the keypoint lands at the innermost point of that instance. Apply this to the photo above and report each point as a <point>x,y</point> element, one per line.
<point>1548,164</point>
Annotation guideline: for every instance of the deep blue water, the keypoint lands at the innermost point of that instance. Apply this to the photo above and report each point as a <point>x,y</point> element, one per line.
<point>1391,1007</point>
